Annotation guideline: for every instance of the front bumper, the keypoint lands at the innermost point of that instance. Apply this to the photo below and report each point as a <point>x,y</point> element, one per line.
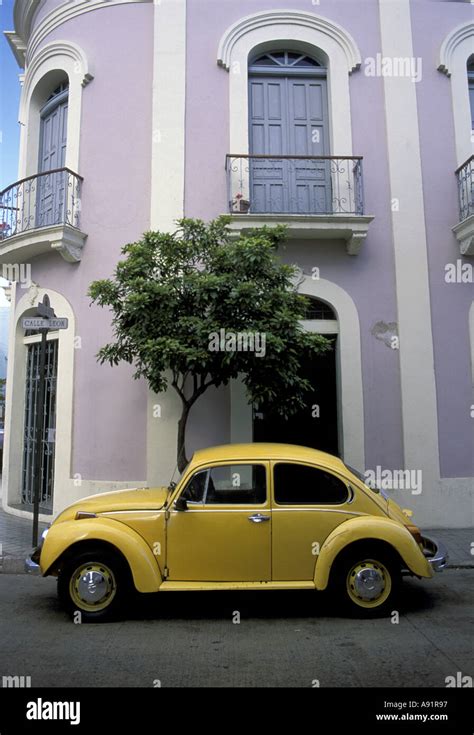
<point>435,552</point>
<point>32,562</point>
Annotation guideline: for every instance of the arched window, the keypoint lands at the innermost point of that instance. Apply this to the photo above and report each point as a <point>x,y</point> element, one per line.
<point>317,309</point>
<point>470,80</point>
<point>290,62</point>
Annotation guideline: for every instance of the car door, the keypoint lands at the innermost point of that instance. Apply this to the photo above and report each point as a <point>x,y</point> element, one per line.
<point>308,503</point>
<point>224,535</point>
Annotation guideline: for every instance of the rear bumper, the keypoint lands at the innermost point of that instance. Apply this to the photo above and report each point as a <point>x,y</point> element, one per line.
<point>436,553</point>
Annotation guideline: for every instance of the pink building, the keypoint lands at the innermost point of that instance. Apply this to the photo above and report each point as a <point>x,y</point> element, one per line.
<point>349,121</point>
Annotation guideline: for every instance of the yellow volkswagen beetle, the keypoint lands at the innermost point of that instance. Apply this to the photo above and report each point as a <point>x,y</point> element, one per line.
<point>246,516</point>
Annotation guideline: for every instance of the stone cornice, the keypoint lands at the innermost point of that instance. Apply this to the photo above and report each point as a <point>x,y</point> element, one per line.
<point>24,40</point>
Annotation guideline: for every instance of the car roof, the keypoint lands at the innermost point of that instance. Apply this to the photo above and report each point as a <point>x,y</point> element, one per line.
<point>263,450</point>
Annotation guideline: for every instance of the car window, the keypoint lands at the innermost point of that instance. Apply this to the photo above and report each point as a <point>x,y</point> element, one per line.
<point>239,484</point>
<point>195,489</point>
<point>297,484</point>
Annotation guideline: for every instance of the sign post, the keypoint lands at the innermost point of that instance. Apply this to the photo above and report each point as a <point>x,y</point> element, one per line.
<point>44,321</point>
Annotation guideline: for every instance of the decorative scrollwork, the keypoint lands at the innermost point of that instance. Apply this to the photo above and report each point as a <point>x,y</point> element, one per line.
<point>294,184</point>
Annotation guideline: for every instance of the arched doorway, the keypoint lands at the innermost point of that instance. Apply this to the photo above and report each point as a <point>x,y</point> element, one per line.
<point>316,425</point>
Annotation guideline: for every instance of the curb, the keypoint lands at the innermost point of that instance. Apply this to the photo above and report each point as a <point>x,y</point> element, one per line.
<point>12,565</point>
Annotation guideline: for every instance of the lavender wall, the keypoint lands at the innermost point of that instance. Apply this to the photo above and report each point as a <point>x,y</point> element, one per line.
<point>109,435</point>
<point>450,302</point>
<point>369,277</point>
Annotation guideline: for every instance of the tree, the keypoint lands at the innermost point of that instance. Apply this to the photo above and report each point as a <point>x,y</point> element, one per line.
<point>203,308</point>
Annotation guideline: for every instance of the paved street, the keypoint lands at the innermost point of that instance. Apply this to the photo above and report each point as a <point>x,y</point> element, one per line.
<point>283,639</point>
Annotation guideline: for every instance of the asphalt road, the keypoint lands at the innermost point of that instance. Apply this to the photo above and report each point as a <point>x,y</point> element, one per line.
<point>283,639</point>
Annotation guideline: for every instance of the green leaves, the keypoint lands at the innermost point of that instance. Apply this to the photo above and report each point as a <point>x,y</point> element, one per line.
<point>171,292</point>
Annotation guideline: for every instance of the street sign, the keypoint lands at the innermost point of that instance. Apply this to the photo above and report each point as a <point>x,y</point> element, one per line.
<point>41,323</point>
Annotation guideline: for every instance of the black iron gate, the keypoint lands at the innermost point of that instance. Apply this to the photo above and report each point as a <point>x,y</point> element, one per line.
<point>49,424</point>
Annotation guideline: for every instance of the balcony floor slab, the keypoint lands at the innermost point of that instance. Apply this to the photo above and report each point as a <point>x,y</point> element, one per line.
<point>351,228</point>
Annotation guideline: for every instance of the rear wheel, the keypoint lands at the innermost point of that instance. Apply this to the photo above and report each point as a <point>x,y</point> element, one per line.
<point>94,584</point>
<point>367,582</point>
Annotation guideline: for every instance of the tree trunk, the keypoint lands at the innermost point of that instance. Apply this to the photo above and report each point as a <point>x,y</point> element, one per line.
<point>182,459</point>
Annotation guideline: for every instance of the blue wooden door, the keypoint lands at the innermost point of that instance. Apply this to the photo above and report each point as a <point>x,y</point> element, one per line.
<point>288,117</point>
<point>52,188</point>
<point>268,137</point>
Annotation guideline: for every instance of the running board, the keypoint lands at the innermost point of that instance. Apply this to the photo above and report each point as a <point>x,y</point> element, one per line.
<point>214,586</point>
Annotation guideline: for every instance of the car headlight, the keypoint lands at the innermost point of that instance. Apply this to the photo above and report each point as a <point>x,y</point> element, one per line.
<point>43,536</point>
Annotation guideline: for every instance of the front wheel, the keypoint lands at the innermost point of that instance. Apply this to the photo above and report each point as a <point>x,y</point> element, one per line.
<point>367,583</point>
<point>94,584</point>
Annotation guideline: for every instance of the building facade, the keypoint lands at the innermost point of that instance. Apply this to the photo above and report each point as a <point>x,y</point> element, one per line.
<point>349,121</point>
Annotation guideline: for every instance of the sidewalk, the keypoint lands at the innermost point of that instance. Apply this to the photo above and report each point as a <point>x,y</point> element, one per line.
<point>15,541</point>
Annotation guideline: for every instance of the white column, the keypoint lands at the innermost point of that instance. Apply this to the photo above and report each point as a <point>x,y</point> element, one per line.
<point>167,200</point>
<point>169,89</point>
<point>419,411</point>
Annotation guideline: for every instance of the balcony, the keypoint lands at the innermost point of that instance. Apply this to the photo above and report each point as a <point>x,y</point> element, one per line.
<point>41,214</point>
<point>464,230</point>
<point>315,197</point>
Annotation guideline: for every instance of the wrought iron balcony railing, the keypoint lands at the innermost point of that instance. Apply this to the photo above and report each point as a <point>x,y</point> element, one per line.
<point>42,200</point>
<point>465,177</point>
<point>261,184</point>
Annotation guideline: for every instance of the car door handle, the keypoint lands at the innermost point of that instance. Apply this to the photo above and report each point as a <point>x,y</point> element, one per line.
<point>258,518</point>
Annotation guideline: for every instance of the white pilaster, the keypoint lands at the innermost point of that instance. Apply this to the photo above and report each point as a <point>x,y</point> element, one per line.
<point>419,410</point>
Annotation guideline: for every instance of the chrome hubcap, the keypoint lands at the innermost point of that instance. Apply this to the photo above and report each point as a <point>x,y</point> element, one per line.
<point>93,586</point>
<point>369,583</point>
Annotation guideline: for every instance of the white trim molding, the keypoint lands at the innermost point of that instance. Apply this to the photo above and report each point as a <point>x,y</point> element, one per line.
<point>168,110</point>
<point>273,18</point>
<point>23,13</point>
<point>448,50</point>
<point>455,50</point>
<point>304,31</point>
<point>15,398</point>
<point>417,377</point>
<point>349,372</point>
<point>54,59</point>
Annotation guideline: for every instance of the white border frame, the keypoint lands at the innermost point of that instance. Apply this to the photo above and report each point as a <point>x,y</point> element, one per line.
<point>58,56</point>
<point>455,50</point>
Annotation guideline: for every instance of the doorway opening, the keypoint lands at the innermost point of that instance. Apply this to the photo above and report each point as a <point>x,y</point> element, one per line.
<point>317,424</point>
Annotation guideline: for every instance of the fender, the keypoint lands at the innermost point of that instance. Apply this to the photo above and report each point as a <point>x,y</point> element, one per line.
<point>144,566</point>
<point>368,528</point>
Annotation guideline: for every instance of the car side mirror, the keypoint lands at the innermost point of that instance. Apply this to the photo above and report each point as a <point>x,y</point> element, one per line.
<point>181,504</point>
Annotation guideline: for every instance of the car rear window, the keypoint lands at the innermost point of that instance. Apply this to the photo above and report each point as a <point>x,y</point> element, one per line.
<point>298,484</point>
